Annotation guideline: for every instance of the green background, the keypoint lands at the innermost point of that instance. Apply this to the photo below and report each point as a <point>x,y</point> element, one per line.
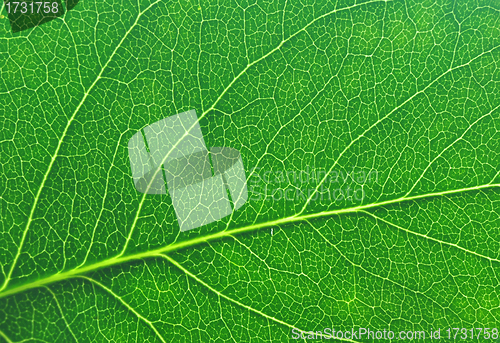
<point>410,89</point>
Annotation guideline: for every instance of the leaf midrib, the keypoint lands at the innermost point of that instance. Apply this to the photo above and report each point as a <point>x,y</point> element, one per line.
<point>76,272</point>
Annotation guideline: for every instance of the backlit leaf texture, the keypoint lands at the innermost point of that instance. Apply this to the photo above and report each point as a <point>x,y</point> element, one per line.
<point>408,91</point>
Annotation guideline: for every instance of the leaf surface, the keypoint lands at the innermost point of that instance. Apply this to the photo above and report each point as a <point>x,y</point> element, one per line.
<point>370,131</point>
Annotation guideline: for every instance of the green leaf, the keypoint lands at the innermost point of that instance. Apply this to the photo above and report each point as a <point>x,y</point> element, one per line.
<point>370,133</point>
